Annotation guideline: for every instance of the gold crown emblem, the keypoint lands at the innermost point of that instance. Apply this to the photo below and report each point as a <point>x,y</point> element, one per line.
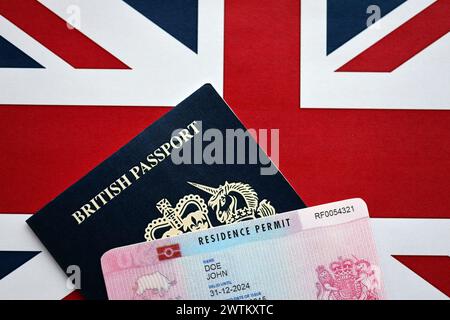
<point>189,214</point>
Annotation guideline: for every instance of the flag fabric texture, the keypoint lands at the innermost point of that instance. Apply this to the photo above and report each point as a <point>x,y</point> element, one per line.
<point>358,90</point>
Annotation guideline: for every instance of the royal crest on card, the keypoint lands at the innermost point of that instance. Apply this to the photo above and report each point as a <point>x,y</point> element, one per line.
<point>348,279</point>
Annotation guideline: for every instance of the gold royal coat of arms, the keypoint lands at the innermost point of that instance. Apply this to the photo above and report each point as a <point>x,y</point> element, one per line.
<point>231,202</point>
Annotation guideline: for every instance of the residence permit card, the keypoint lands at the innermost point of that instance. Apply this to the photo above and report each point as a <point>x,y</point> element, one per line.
<point>142,192</point>
<point>323,252</point>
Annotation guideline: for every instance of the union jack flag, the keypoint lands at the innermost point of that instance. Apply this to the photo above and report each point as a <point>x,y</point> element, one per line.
<point>80,78</point>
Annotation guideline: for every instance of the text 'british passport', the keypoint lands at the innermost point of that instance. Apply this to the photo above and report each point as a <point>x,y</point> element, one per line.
<point>167,181</point>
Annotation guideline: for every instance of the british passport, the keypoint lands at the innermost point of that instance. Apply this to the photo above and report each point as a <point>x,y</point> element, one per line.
<point>195,168</point>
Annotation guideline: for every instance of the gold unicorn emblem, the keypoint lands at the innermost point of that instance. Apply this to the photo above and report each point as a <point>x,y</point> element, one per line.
<point>232,202</point>
<point>235,202</point>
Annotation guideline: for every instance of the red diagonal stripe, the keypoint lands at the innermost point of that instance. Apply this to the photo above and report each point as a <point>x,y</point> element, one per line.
<point>404,42</point>
<point>434,269</point>
<point>51,31</point>
<point>75,295</point>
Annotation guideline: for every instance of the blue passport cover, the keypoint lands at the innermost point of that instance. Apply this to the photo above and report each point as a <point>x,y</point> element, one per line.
<point>140,194</point>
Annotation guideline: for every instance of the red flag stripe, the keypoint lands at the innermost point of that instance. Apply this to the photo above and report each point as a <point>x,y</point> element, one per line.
<point>405,42</point>
<point>51,31</point>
